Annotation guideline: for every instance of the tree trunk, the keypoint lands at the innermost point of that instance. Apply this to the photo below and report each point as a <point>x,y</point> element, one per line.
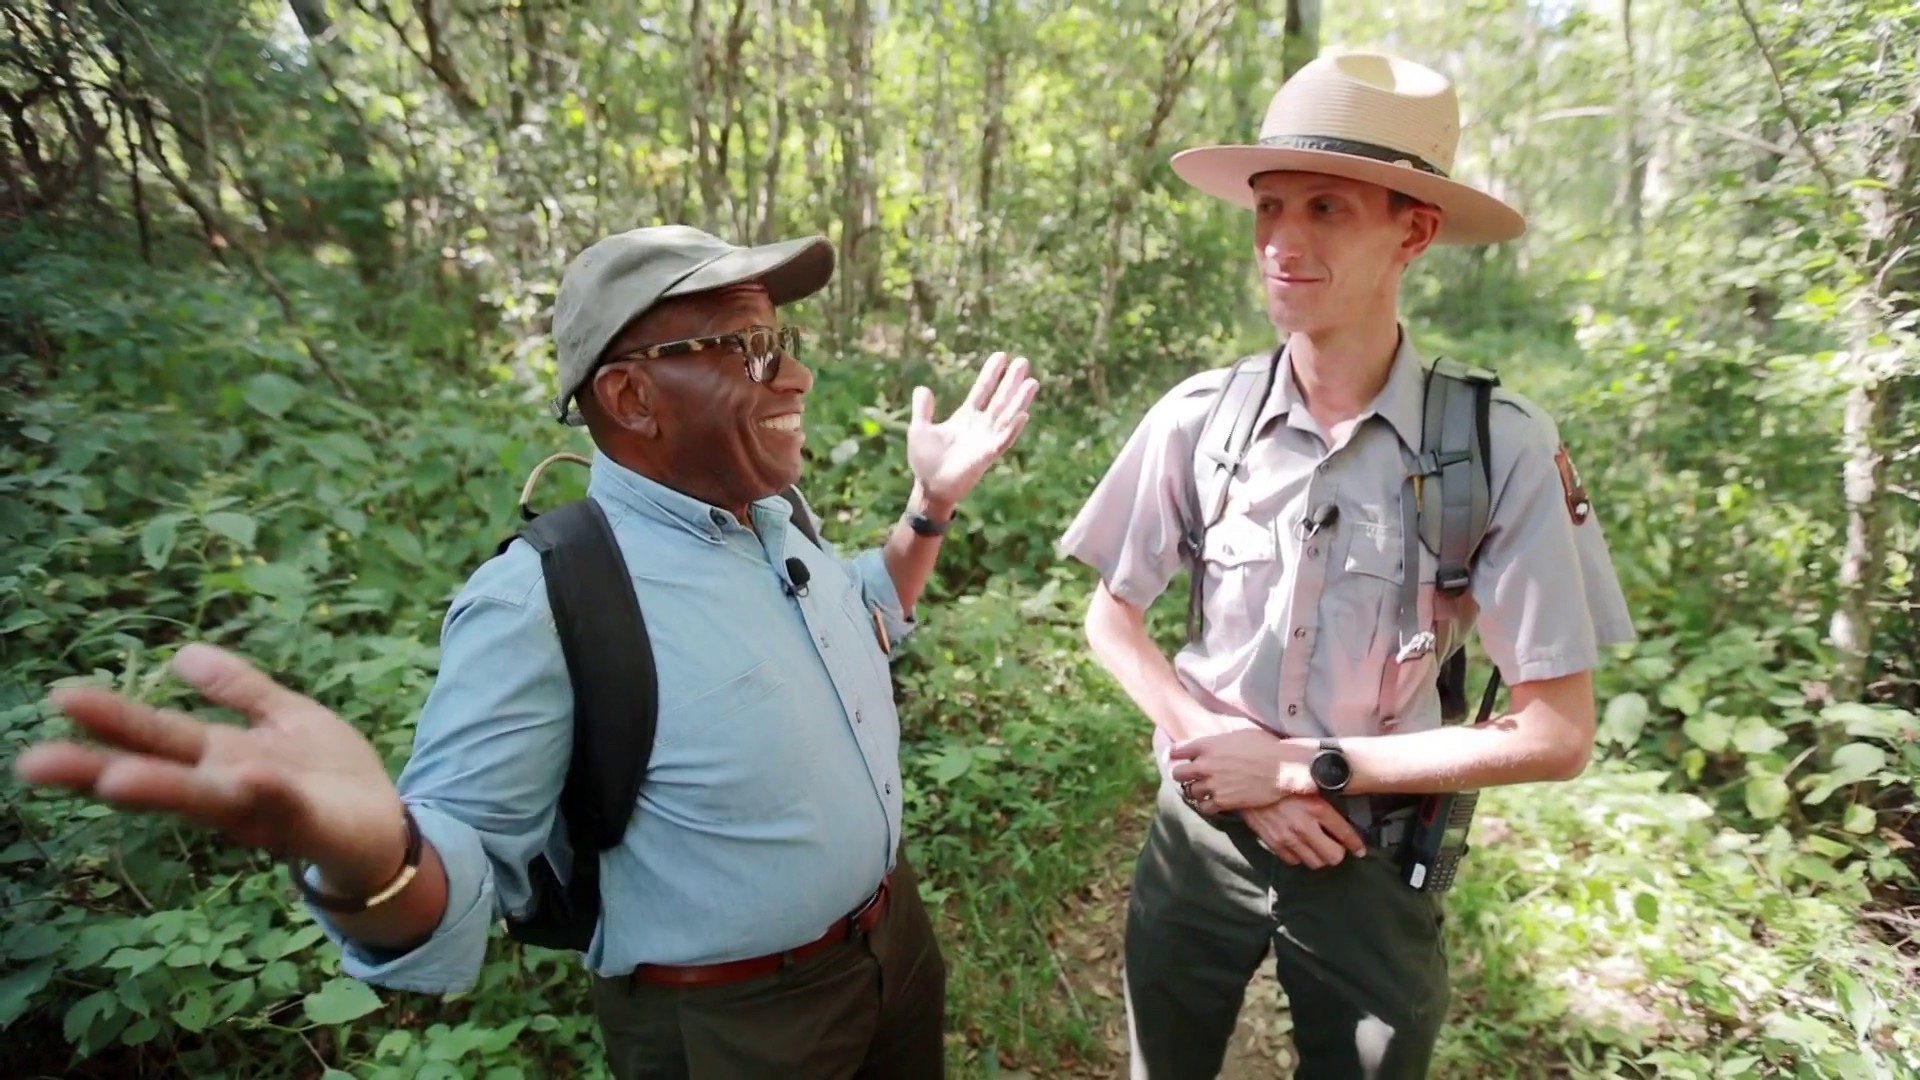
<point>1301,42</point>
<point>1633,157</point>
<point>1881,357</point>
<point>859,273</point>
<point>1175,72</point>
<point>993,131</point>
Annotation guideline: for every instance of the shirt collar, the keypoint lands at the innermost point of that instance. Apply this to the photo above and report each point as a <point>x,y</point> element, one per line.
<point>1399,401</point>
<point>616,485</point>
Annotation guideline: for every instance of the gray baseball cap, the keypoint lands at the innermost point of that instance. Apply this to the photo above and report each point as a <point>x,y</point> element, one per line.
<point>617,279</point>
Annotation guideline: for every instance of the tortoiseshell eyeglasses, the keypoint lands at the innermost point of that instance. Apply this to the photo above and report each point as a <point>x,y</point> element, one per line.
<point>760,346</point>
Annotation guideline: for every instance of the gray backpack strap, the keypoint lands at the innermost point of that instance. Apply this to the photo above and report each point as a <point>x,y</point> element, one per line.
<point>1453,452</point>
<point>1218,453</point>
<point>1445,505</point>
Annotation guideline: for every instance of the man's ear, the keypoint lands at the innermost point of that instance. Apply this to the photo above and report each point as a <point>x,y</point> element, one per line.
<point>626,398</point>
<point>1423,224</point>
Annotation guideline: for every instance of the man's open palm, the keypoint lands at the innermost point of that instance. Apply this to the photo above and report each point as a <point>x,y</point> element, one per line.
<point>297,781</point>
<point>950,457</point>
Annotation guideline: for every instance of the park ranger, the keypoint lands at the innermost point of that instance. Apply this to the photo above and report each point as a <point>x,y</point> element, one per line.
<point>1300,726</point>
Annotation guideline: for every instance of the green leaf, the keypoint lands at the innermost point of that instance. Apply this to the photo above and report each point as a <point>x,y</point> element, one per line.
<point>1856,761</point>
<point>274,579</point>
<point>184,956</point>
<point>81,1016</point>
<point>336,1074</point>
<point>156,540</point>
<point>1860,819</point>
<point>239,528</point>
<point>195,1013</point>
<point>272,394</point>
<point>33,941</point>
<point>1710,732</point>
<point>23,618</point>
<point>16,989</point>
<point>1682,698</point>
<point>340,1000</point>
<point>1872,721</point>
<point>1767,796</point>
<point>1625,720</point>
<point>299,939</point>
<point>1647,906</point>
<point>394,1044</point>
<point>1755,736</point>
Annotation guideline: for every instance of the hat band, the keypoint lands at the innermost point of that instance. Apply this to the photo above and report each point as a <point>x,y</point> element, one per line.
<point>1353,148</point>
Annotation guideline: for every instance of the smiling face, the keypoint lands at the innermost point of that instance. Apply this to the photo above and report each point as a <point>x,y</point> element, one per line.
<point>1331,250</point>
<point>695,421</point>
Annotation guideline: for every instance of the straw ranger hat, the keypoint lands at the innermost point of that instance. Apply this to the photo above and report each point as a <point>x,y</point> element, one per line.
<point>1363,116</point>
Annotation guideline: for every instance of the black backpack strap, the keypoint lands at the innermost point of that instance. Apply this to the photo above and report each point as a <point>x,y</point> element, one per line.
<point>802,516</point>
<point>615,693</point>
<point>1218,452</point>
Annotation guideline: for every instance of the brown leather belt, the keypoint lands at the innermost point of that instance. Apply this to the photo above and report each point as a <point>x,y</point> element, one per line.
<point>845,928</point>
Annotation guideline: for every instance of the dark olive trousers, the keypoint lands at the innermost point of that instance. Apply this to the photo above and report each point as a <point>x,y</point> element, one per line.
<point>1358,953</point>
<point>872,1008</point>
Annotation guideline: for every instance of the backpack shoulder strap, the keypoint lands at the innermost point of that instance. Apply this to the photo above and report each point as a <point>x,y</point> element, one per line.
<point>802,515</point>
<point>610,664</point>
<point>1218,452</point>
<point>1445,506</point>
<point>1455,469</point>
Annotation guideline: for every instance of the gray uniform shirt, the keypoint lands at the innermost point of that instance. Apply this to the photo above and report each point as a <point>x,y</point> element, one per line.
<point>1302,631</point>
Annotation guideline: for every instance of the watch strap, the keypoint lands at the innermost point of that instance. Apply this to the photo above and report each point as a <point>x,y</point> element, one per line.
<point>349,905</point>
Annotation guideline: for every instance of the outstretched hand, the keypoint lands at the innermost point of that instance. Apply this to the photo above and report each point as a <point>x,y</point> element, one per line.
<point>297,781</point>
<point>950,457</point>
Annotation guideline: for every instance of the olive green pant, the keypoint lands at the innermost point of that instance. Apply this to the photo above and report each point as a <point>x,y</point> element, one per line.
<point>1358,953</point>
<point>871,1008</point>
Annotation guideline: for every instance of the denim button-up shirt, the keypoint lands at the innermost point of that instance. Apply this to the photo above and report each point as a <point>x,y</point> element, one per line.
<point>772,802</point>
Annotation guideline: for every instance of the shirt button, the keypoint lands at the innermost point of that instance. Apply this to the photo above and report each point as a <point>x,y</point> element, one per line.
<point>1293,710</point>
<point>1314,551</point>
<point>1299,631</point>
<point>856,716</point>
<point>889,788</point>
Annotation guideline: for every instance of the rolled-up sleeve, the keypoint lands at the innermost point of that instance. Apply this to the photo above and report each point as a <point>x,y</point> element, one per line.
<point>1547,592</point>
<point>1129,531</point>
<point>881,595</point>
<point>490,755</point>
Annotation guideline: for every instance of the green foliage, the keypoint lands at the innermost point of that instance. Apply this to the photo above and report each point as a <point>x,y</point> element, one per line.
<point>293,417</point>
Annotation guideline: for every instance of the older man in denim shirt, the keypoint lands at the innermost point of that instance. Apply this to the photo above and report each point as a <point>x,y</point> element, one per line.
<point>757,919</point>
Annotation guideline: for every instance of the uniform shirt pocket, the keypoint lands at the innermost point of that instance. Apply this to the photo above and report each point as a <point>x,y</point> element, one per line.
<point>1363,602</point>
<point>1242,568</point>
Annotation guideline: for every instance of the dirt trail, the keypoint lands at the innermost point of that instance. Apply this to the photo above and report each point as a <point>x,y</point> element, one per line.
<point>1089,943</point>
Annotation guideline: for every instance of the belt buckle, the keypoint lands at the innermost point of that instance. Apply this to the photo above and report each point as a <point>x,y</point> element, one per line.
<point>867,916</point>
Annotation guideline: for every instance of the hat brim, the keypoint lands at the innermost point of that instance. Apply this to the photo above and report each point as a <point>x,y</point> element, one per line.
<point>791,270</point>
<point>1468,216</point>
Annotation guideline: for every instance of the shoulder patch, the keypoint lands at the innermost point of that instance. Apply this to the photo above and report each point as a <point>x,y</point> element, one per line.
<point>1579,507</point>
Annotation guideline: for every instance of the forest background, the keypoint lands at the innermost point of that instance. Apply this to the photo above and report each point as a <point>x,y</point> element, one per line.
<point>273,364</point>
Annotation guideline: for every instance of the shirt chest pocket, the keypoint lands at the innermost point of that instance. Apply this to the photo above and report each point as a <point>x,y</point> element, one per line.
<point>1362,601</point>
<point>1243,570</point>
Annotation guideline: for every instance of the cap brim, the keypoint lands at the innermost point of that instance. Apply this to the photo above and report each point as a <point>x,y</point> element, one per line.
<point>1469,216</point>
<point>791,270</point>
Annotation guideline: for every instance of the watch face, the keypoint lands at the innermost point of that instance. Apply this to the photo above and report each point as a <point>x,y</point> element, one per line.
<point>1330,769</point>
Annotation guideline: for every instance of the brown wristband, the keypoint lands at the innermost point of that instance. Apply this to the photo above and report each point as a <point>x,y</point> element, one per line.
<point>345,905</point>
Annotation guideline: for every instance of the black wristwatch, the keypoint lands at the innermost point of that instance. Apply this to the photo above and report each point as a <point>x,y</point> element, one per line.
<point>1330,769</point>
<point>925,526</point>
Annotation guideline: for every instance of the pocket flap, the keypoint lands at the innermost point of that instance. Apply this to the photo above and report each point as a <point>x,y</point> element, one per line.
<point>1237,541</point>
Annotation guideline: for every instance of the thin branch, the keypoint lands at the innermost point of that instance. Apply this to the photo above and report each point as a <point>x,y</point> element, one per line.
<point>120,871</point>
<point>1786,103</point>
<point>211,219</point>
